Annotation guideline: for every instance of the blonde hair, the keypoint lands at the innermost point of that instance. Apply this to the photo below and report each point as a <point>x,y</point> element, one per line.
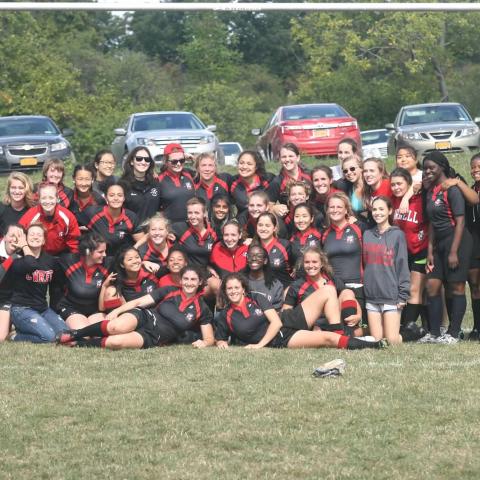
<point>159,217</point>
<point>26,182</point>
<point>342,197</point>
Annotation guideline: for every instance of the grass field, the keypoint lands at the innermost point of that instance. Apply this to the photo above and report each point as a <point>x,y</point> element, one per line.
<point>408,412</point>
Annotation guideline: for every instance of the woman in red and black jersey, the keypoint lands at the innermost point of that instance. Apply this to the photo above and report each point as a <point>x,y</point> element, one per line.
<point>176,185</point>
<point>53,172</point>
<point>252,320</point>
<point>196,236</point>
<point>279,250</point>
<point>83,276</point>
<point>415,227</point>
<point>177,260</point>
<point>83,194</point>
<point>208,182</point>
<point>292,171</point>
<point>129,280</point>
<point>305,234</point>
<point>251,176</point>
<point>156,319</point>
<point>154,251</point>
<point>117,225</point>
<point>230,254</point>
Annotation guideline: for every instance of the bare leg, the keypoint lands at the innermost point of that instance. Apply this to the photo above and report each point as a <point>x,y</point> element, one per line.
<point>77,321</point>
<point>321,301</point>
<point>391,327</point>
<point>131,340</point>
<point>4,324</point>
<point>315,339</point>
<point>125,323</point>
<point>375,325</point>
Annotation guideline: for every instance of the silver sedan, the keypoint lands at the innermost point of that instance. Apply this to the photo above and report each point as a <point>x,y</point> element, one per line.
<point>434,126</point>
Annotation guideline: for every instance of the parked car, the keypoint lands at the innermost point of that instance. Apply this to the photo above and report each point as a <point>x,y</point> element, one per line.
<point>231,151</point>
<point>27,141</point>
<point>374,143</point>
<point>429,126</point>
<point>155,130</point>
<point>316,129</point>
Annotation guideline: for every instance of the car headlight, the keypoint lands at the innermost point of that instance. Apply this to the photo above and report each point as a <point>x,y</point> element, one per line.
<point>55,147</point>
<point>147,142</point>
<point>469,131</point>
<point>206,139</point>
<point>1,150</point>
<point>411,136</point>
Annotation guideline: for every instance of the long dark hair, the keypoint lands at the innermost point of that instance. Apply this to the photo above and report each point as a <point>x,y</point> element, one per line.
<point>128,175</point>
<point>119,269</point>
<point>268,277</point>
<point>216,224</point>
<point>222,294</point>
<point>259,162</point>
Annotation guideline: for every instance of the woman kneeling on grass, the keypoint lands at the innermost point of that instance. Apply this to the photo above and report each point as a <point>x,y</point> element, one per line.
<point>252,319</point>
<point>134,325</point>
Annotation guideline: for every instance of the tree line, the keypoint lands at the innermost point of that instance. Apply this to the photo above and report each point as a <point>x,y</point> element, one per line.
<point>90,70</point>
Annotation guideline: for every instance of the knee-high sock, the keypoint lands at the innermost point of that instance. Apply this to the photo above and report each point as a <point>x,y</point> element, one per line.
<point>457,312</point>
<point>352,343</point>
<point>98,329</point>
<point>410,313</point>
<point>435,312</point>
<point>476,313</point>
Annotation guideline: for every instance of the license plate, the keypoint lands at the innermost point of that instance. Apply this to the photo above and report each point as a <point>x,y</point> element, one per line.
<point>321,133</point>
<point>443,145</point>
<point>28,161</point>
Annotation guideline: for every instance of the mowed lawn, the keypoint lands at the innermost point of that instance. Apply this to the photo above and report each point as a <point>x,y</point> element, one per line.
<point>404,413</point>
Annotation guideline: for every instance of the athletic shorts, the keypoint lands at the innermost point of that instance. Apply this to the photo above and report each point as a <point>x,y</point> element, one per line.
<point>65,309</point>
<point>360,298</point>
<point>417,262</point>
<point>152,329</point>
<point>294,318</point>
<point>475,258</point>
<point>5,307</point>
<point>381,307</point>
<point>283,337</point>
<point>441,269</point>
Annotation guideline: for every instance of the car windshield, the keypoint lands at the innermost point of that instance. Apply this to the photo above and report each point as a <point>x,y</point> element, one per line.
<point>166,121</point>
<point>306,112</point>
<point>434,114</point>
<point>13,127</point>
<point>376,136</point>
<point>230,148</point>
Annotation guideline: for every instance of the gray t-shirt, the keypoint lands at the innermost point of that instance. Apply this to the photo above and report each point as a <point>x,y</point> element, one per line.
<point>274,295</point>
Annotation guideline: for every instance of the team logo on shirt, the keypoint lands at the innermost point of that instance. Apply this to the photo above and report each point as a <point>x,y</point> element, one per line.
<point>149,289</point>
<point>190,316</point>
<point>277,262</point>
<point>258,311</point>
<point>121,234</point>
<point>99,283</point>
<point>421,235</point>
<point>188,185</point>
<point>209,245</point>
<point>61,234</point>
<point>154,192</point>
<point>312,243</point>
<point>350,239</point>
<point>438,202</point>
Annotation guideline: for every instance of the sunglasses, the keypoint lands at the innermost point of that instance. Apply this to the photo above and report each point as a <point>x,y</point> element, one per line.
<point>178,161</point>
<point>139,159</point>
<point>351,169</point>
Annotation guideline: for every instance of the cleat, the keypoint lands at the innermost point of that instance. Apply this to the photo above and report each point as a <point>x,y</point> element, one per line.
<point>64,338</point>
<point>428,338</point>
<point>383,343</point>
<point>334,368</point>
<point>474,336</point>
<point>446,339</point>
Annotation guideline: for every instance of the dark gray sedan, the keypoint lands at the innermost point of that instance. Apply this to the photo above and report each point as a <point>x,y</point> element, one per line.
<point>27,141</point>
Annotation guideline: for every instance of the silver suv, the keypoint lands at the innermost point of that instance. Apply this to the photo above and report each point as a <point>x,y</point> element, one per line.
<point>155,130</point>
<point>27,141</point>
<point>434,126</point>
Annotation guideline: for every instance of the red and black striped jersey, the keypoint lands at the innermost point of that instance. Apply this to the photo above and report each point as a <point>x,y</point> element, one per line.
<point>301,240</point>
<point>149,253</point>
<point>219,185</point>
<point>301,288</point>
<point>240,189</point>
<point>174,192</point>
<point>277,190</point>
<point>225,260</point>
<point>79,205</point>
<point>279,257</point>
<point>198,246</point>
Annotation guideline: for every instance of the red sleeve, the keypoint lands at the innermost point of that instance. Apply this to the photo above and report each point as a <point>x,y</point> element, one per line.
<point>73,234</point>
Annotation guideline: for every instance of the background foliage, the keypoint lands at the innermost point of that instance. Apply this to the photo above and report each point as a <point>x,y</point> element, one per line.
<point>90,70</point>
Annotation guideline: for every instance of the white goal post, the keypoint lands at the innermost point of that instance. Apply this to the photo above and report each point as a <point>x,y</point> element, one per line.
<point>241,7</point>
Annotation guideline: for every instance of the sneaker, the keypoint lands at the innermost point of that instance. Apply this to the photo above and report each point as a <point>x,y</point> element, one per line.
<point>473,336</point>
<point>64,338</point>
<point>443,330</point>
<point>335,368</point>
<point>366,338</point>
<point>428,338</point>
<point>383,343</point>
<point>446,339</point>
<point>412,332</point>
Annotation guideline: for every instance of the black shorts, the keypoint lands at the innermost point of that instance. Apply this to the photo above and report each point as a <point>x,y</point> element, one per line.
<point>441,270</point>
<point>152,329</point>
<point>65,309</point>
<point>283,337</point>
<point>360,298</point>
<point>294,318</point>
<point>5,307</point>
<point>475,258</point>
<point>417,262</point>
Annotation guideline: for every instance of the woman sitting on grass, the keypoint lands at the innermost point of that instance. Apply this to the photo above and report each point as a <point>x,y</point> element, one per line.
<point>134,325</point>
<point>251,319</point>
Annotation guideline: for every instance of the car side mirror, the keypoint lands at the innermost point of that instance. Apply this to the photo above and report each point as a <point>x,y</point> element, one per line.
<point>67,132</point>
<point>120,132</point>
<point>476,119</point>
<point>212,128</point>
<point>256,132</point>
<point>389,126</point>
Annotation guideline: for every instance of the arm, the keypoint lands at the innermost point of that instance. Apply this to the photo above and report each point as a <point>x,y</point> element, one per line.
<point>404,204</point>
<point>402,270</point>
<point>470,195</point>
<point>104,296</point>
<point>142,302</point>
<point>457,238</point>
<point>431,237</point>
<point>272,330</point>
<point>208,339</point>
<point>140,239</point>
<point>73,235</point>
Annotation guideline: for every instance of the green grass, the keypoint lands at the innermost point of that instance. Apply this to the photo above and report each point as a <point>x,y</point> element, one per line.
<point>173,412</point>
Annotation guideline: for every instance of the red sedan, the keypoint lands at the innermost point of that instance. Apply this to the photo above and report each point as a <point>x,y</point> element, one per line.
<point>316,129</point>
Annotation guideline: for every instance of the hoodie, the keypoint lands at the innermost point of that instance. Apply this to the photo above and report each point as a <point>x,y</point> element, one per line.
<point>386,275</point>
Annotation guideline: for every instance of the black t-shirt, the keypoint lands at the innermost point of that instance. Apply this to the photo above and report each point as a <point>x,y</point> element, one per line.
<point>9,216</point>
<point>143,199</point>
<point>198,247</point>
<point>175,191</point>
<point>30,279</point>
<point>79,208</point>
